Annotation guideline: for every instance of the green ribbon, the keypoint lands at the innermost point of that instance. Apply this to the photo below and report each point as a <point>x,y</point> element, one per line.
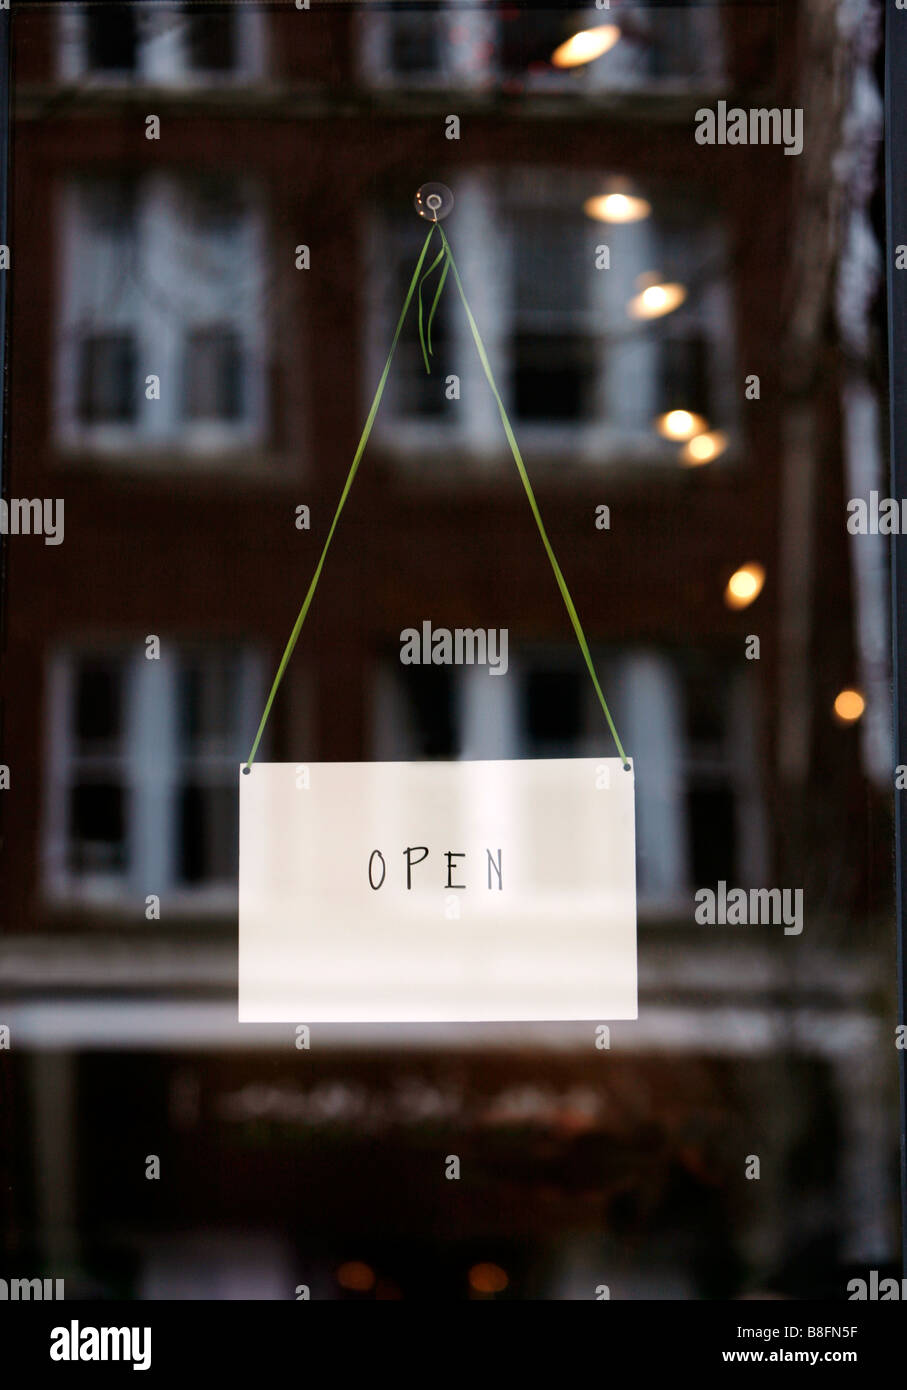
<point>426,352</point>
<point>445,255</point>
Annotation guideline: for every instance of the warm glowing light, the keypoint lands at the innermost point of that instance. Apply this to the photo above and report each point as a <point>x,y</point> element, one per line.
<point>744,586</point>
<point>849,705</point>
<point>617,207</point>
<point>585,46</point>
<point>487,1278</point>
<point>702,448</point>
<point>657,299</point>
<point>356,1276</point>
<point>680,425</point>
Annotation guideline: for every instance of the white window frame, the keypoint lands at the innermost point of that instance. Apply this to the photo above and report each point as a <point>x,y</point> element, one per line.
<point>148,766</point>
<point>159,430</point>
<point>162,54</point>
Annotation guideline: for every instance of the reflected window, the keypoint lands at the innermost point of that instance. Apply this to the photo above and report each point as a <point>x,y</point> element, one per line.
<point>587,360</point>
<point>162,44</point>
<point>670,44</point>
<point>144,762</point>
<point>161,338</point>
<point>446,46</point>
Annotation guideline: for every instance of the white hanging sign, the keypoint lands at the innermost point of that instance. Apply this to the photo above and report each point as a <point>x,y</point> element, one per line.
<point>437,891</point>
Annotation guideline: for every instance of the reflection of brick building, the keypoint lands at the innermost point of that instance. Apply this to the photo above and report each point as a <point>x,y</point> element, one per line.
<point>185,388</point>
